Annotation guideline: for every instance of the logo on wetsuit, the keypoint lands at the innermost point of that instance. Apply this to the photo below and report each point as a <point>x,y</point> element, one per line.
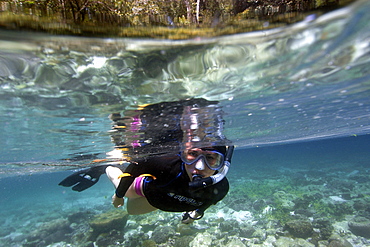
<point>185,199</point>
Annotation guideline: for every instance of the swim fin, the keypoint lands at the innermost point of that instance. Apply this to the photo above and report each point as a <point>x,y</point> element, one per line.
<point>84,179</point>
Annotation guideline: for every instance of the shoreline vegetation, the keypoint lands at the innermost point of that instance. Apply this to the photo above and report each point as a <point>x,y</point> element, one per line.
<point>160,19</point>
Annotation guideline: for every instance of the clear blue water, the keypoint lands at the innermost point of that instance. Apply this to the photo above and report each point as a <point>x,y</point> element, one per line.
<point>297,99</point>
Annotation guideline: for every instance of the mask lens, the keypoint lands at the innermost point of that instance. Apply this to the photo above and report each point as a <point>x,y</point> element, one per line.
<point>213,159</point>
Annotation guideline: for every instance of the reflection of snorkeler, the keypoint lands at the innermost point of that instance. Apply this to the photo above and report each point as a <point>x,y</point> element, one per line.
<point>187,182</point>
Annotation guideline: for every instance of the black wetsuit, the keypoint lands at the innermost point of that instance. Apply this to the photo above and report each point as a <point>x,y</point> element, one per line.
<point>170,190</point>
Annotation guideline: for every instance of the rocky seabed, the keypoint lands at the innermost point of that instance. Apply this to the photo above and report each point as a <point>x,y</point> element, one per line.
<point>304,208</point>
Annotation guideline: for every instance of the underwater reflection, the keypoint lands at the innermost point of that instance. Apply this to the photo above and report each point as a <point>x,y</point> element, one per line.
<point>167,127</point>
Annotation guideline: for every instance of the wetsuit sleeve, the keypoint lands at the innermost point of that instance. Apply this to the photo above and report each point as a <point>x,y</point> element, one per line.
<point>123,186</point>
<point>215,194</point>
<point>151,166</point>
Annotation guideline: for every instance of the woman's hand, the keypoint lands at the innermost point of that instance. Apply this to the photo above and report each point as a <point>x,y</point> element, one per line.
<point>189,217</point>
<point>116,201</point>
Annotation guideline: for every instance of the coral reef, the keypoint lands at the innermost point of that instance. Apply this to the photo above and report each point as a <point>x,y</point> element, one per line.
<point>299,228</point>
<point>51,232</point>
<point>107,222</point>
<point>260,210</point>
<point>162,233</point>
<point>360,226</point>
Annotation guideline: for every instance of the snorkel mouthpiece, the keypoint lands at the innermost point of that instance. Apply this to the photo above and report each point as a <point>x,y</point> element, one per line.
<point>197,177</point>
<point>199,182</point>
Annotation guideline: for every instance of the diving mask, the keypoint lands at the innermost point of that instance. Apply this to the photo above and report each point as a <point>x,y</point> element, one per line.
<point>213,159</point>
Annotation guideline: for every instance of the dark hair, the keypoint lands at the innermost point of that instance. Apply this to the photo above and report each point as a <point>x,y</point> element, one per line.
<point>221,149</point>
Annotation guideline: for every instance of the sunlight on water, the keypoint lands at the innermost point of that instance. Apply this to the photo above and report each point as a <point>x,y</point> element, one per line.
<point>303,82</point>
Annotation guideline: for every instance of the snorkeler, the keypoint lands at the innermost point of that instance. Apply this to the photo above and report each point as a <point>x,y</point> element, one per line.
<point>190,181</point>
<point>176,159</point>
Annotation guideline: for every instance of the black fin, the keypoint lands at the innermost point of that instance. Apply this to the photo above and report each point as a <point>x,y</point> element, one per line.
<point>84,179</point>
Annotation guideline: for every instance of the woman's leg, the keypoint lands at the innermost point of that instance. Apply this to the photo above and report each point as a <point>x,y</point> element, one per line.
<point>139,205</point>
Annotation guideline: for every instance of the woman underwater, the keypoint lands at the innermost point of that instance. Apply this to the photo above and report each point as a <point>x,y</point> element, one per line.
<point>188,181</point>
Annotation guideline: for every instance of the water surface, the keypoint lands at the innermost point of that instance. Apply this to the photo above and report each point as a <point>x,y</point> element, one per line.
<point>279,89</point>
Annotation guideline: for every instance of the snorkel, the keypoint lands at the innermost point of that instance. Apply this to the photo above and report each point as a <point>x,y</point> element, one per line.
<point>199,182</point>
